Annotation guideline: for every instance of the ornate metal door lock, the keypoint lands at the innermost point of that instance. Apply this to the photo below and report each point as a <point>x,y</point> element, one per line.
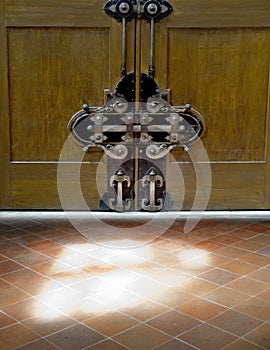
<point>141,133</point>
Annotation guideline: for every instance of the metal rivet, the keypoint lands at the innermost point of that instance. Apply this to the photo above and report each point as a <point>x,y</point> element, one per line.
<point>124,7</point>
<point>182,128</point>
<point>152,8</point>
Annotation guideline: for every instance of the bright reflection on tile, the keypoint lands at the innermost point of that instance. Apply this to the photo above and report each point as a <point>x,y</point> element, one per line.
<point>98,278</point>
<point>192,253</point>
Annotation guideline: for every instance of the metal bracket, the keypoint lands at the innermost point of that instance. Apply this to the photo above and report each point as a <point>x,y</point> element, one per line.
<point>119,179</point>
<point>153,180</point>
<point>144,9</point>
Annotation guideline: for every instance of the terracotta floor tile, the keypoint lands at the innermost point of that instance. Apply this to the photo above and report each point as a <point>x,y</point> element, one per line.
<point>75,338</point>
<point>262,275</point>
<point>239,267</point>
<point>170,285</point>
<point>25,309</point>
<point>144,310</point>
<point>41,344</point>
<point>44,245</point>
<point>3,258</point>
<point>255,307</point>
<point>264,295</point>
<point>259,228</point>
<point>226,239</point>
<point>32,259</point>
<point>15,336</point>
<point>173,322</point>
<point>256,259</point>
<point>208,245</point>
<point>235,322</point>
<point>217,260</point>
<point>219,276</point>
<point>59,252</point>
<point>107,345</point>
<point>260,336</point>
<point>193,268</point>
<point>191,253</point>
<point>166,245</point>
<point>167,260</point>
<point>49,322</point>
<point>17,252</point>
<point>146,287</point>
<point>185,240</point>
<point>172,278</point>
<point>27,239</point>
<point>248,286</point>
<point>231,252</point>
<point>11,295</point>
<point>9,266</point>
<point>174,344</point>
<point>171,297</point>
<point>264,251</point>
<point>206,337</point>
<point>111,323</point>
<point>242,345</point>
<point>141,337</point>
<point>248,245</point>
<point>201,309</point>
<point>198,286</point>
<point>204,234</point>
<point>5,320</point>
<point>4,284</point>
<point>29,281</point>
<point>226,296</point>
<point>261,238</point>
<point>50,268</point>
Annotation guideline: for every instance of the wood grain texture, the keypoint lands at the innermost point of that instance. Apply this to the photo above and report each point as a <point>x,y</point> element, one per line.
<point>234,186</point>
<point>26,191</point>
<point>4,115</point>
<point>220,13</point>
<point>52,73</point>
<point>224,73</point>
<point>59,54</point>
<point>59,13</point>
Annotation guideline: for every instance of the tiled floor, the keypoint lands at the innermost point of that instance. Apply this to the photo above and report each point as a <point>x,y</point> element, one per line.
<point>208,289</point>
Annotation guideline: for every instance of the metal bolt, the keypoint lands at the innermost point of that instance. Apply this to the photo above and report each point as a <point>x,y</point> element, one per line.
<point>89,128</point>
<point>152,151</point>
<point>98,137</point>
<point>152,8</point>
<point>119,151</point>
<point>124,7</point>
<point>182,128</point>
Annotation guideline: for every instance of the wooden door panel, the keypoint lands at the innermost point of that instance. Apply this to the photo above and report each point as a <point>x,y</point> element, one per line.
<point>224,73</point>
<point>56,56</point>
<point>215,56</point>
<point>51,76</point>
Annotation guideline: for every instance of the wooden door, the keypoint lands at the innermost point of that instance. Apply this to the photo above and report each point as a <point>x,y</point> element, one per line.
<point>215,55</point>
<point>57,55</point>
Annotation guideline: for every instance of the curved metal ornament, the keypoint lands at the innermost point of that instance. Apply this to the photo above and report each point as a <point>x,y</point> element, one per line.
<point>152,125</point>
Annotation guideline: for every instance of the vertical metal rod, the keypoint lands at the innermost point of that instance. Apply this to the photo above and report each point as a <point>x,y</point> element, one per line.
<point>123,67</point>
<point>152,37</point>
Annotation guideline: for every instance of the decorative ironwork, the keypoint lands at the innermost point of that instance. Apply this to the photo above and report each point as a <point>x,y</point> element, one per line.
<point>124,127</point>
